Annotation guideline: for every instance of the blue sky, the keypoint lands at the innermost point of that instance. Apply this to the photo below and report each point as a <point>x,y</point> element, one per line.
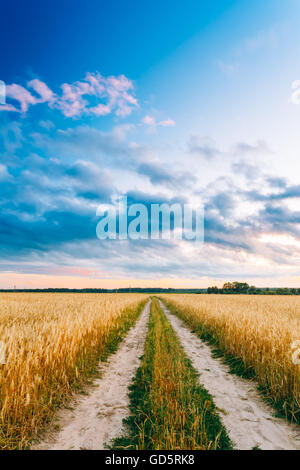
<point>163,101</point>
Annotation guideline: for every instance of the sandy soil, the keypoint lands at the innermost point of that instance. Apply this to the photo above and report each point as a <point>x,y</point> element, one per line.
<point>97,418</point>
<point>248,420</point>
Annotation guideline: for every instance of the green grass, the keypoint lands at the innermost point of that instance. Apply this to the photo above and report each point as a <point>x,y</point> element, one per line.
<point>169,409</point>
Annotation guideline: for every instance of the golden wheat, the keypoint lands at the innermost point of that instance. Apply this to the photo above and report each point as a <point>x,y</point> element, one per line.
<point>52,341</point>
<point>259,330</point>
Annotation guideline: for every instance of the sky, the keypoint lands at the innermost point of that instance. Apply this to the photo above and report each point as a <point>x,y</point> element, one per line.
<point>165,102</point>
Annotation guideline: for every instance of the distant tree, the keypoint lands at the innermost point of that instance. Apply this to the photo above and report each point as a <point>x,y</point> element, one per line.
<point>252,290</point>
<point>213,290</point>
<point>241,287</point>
<point>235,287</point>
<point>282,291</point>
<point>228,288</point>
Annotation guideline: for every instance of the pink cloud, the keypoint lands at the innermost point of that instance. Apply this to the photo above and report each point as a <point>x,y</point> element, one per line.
<point>114,93</point>
<point>123,109</point>
<point>46,95</point>
<point>100,110</point>
<point>9,107</point>
<point>150,121</point>
<point>71,104</point>
<point>25,98</point>
<point>168,122</point>
<point>20,94</point>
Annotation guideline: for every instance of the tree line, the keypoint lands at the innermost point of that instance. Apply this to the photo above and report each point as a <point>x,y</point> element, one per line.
<point>228,288</point>
<point>244,288</point>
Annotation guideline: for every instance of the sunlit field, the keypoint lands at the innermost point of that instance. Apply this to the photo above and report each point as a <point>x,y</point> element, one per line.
<point>257,330</point>
<point>53,342</point>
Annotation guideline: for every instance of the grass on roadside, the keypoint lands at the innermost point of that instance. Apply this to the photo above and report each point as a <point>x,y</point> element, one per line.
<point>170,410</point>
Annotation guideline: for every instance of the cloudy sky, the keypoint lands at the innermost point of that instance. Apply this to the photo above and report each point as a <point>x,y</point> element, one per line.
<point>163,101</point>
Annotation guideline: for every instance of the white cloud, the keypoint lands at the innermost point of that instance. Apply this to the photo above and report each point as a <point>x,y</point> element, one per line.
<point>4,175</point>
<point>295,96</point>
<point>227,68</point>
<point>268,38</point>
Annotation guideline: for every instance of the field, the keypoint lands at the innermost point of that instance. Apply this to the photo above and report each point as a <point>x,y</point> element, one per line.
<point>53,341</point>
<point>256,333</point>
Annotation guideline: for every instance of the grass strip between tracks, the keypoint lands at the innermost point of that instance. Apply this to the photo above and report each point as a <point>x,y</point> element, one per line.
<point>170,410</point>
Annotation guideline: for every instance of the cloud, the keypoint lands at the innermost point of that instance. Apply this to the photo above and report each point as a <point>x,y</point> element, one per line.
<point>204,147</point>
<point>112,95</point>
<point>160,175</point>
<point>246,169</point>
<point>25,98</point>
<point>148,120</point>
<point>50,188</point>
<point>295,96</point>
<point>46,124</point>
<point>151,122</point>
<point>20,94</point>
<point>46,95</point>
<point>116,92</point>
<point>86,142</point>
<point>268,38</point>
<point>244,148</point>
<point>167,122</point>
<point>227,68</point>
<point>4,174</point>
<point>62,228</point>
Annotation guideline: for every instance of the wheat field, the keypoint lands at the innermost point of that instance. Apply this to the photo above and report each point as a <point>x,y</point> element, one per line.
<point>258,330</point>
<point>52,342</point>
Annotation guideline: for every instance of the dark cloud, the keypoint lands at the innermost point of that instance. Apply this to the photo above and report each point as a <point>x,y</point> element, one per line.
<point>244,168</point>
<point>242,149</point>
<point>159,175</point>
<point>48,205</point>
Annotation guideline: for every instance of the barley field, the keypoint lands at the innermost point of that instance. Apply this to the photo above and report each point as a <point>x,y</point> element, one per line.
<point>257,330</point>
<point>53,342</point>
